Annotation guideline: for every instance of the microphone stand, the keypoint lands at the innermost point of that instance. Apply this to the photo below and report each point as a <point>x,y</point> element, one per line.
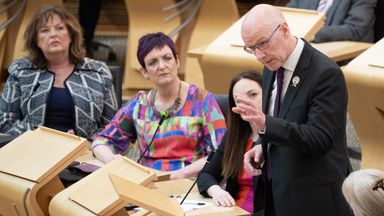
<point>163,117</point>
<point>198,175</point>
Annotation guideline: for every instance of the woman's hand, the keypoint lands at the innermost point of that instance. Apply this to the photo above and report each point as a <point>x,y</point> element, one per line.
<point>105,154</point>
<point>220,197</point>
<point>178,174</point>
<point>71,131</point>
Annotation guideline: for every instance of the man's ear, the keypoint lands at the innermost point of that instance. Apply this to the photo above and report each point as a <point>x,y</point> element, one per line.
<point>284,28</point>
<point>144,73</point>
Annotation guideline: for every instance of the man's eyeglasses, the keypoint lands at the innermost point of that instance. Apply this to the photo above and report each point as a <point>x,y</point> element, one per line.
<point>262,45</point>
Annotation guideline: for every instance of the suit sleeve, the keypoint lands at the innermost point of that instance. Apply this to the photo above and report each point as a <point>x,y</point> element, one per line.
<point>293,4</point>
<point>10,105</point>
<point>211,174</point>
<point>110,102</point>
<point>312,127</point>
<point>358,22</point>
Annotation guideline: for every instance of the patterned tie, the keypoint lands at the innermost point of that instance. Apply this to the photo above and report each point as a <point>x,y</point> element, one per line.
<point>322,6</point>
<point>279,83</point>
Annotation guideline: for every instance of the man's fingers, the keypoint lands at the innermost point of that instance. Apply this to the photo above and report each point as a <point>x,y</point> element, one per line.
<point>231,200</point>
<point>248,158</point>
<point>216,202</point>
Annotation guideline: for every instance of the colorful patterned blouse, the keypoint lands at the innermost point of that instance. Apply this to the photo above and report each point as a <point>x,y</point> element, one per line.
<point>245,181</point>
<point>186,136</point>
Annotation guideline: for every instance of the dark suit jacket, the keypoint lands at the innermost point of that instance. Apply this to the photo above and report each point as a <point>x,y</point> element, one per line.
<point>345,19</point>
<point>308,149</point>
<point>211,175</point>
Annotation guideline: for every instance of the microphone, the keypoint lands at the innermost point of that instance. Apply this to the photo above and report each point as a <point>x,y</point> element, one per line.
<point>37,85</point>
<point>198,175</point>
<point>164,115</point>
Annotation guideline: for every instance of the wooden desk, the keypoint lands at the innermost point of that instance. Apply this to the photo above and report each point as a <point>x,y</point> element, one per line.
<point>181,186</point>
<point>342,50</point>
<point>29,166</point>
<point>63,205</point>
<point>365,83</point>
<point>225,57</point>
<point>95,194</point>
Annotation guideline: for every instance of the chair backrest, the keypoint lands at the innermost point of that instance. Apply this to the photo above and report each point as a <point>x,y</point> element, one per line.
<point>379,22</point>
<point>222,101</point>
<point>117,78</point>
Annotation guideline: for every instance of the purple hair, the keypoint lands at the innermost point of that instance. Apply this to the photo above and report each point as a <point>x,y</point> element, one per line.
<point>153,40</point>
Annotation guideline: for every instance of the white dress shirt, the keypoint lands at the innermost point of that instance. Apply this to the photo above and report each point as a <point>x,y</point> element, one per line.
<point>289,67</point>
<point>324,8</point>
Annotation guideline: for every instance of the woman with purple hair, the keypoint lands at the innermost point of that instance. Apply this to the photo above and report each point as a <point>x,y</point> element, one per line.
<point>192,124</point>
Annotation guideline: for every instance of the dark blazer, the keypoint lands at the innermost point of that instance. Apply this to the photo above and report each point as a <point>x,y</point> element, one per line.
<point>345,19</point>
<point>211,175</point>
<point>308,149</point>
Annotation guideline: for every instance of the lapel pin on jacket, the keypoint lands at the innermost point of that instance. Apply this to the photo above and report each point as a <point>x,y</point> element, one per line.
<point>295,81</point>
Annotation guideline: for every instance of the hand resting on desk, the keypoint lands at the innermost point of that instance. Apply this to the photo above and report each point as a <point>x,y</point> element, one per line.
<point>220,197</point>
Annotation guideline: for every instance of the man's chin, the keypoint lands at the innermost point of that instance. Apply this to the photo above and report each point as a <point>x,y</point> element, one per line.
<point>272,67</point>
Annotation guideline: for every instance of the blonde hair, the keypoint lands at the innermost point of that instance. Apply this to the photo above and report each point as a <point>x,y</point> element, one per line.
<point>364,191</point>
<point>41,16</point>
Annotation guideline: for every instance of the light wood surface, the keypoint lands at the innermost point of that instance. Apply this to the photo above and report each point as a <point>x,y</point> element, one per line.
<point>342,50</point>
<point>212,19</point>
<point>145,16</point>
<point>99,183</point>
<point>95,194</point>
<point>225,57</point>
<point>152,200</point>
<point>3,18</point>
<point>365,83</point>
<point>29,166</point>
<point>178,188</point>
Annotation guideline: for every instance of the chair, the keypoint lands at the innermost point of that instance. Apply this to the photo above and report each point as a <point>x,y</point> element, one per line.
<point>222,101</point>
<point>379,23</point>
<point>117,80</point>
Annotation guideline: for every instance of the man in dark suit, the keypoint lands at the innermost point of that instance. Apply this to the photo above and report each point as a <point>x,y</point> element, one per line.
<point>344,19</point>
<point>302,124</point>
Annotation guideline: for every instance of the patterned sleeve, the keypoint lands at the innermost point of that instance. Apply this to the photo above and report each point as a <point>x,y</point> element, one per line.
<point>120,132</point>
<point>110,102</point>
<point>10,111</point>
<point>214,126</point>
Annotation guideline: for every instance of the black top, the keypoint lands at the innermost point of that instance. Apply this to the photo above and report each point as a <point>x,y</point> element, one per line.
<point>211,175</point>
<point>60,110</point>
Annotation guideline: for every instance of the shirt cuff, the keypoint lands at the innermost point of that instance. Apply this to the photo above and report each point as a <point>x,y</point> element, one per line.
<point>262,131</point>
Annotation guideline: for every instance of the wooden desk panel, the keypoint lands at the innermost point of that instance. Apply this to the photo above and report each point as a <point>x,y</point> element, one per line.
<point>365,83</point>
<point>225,57</point>
<point>48,144</point>
<point>63,205</point>
<point>29,166</point>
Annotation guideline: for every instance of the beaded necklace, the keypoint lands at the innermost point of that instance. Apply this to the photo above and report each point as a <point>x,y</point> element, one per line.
<point>171,109</point>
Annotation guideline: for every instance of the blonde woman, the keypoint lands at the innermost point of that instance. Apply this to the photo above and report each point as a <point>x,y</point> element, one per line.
<point>364,191</point>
